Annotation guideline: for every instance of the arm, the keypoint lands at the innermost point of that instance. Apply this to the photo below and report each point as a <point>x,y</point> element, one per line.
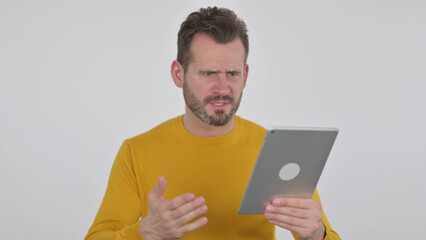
<point>120,211</point>
<point>121,208</point>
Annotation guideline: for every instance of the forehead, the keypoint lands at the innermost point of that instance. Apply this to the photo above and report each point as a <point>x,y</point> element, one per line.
<point>207,53</point>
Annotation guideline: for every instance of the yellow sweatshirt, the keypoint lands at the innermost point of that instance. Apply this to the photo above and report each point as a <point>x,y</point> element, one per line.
<point>217,168</point>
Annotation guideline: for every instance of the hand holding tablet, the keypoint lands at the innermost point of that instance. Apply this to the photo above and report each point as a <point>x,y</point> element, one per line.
<point>289,165</point>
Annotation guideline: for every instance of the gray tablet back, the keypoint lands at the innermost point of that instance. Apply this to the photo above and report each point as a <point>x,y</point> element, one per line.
<point>289,164</point>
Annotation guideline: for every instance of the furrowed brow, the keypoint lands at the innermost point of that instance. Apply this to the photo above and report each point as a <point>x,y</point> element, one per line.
<point>207,71</point>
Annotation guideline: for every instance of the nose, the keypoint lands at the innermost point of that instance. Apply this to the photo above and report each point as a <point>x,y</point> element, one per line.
<point>221,84</point>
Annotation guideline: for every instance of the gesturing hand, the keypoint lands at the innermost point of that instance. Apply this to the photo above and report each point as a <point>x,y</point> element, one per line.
<point>301,216</point>
<point>168,219</point>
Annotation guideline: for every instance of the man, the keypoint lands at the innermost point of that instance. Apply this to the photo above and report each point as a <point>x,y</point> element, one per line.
<point>206,155</point>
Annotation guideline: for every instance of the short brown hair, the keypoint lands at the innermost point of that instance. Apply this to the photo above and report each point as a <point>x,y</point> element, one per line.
<point>221,24</point>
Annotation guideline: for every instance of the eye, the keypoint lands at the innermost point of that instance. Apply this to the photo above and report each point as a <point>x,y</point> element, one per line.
<point>233,73</point>
<point>208,74</point>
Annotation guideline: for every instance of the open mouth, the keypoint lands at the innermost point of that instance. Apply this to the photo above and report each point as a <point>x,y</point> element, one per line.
<point>219,104</point>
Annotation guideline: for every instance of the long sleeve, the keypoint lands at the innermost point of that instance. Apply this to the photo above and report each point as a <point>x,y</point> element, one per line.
<point>330,233</point>
<point>119,214</point>
<point>212,167</point>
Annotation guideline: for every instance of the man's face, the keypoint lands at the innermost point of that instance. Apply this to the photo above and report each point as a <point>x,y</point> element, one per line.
<point>215,79</point>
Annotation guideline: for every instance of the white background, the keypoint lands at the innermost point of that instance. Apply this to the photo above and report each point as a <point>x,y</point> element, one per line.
<point>78,77</point>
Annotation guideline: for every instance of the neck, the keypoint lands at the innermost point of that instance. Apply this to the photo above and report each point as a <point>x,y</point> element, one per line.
<point>201,129</point>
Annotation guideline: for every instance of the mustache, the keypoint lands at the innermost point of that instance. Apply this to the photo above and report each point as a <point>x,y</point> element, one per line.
<point>228,98</point>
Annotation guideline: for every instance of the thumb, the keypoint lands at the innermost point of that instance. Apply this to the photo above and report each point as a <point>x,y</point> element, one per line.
<point>160,187</point>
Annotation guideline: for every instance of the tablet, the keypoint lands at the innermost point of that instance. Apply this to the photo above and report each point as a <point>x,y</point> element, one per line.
<point>289,164</point>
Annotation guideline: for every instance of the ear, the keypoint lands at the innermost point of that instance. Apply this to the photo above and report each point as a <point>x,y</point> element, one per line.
<point>246,70</point>
<point>177,73</point>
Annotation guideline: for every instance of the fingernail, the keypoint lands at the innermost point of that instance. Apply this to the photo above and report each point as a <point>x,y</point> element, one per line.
<point>276,202</point>
<point>190,197</point>
<point>268,215</point>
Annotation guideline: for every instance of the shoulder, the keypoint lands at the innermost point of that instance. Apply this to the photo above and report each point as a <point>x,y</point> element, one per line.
<point>161,131</point>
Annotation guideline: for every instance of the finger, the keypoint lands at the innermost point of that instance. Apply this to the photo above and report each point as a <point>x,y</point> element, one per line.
<point>296,203</point>
<point>289,227</point>
<point>284,220</point>
<point>302,232</point>
<point>283,225</point>
<point>178,201</point>
<point>159,189</point>
<point>289,211</point>
<point>191,215</point>
<point>195,225</point>
<point>188,207</point>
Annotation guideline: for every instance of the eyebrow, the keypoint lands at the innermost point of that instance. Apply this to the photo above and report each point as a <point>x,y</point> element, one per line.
<point>208,71</point>
<point>211,71</point>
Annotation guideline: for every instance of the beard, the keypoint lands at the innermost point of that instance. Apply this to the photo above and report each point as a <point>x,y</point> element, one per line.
<point>198,107</point>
